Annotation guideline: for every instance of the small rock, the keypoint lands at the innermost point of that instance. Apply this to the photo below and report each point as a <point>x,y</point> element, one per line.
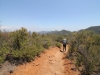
<point>50,60</point>
<point>74,69</point>
<point>37,64</point>
<point>65,64</point>
<point>71,63</point>
<point>0,66</point>
<point>11,71</point>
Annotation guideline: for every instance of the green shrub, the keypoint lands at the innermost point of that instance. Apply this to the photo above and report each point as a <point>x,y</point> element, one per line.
<point>21,46</point>
<point>1,59</point>
<point>85,45</point>
<point>58,44</point>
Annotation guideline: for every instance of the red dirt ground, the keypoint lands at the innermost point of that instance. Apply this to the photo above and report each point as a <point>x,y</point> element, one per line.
<point>50,62</point>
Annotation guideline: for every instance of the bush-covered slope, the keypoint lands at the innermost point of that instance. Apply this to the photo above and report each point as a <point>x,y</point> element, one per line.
<point>62,32</point>
<point>85,51</point>
<point>96,29</point>
<point>21,46</point>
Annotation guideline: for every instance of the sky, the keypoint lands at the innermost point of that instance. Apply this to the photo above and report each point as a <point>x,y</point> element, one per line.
<point>49,15</point>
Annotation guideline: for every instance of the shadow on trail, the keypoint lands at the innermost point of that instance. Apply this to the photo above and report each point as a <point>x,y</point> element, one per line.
<point>61,51</point>
<point>65,53</point>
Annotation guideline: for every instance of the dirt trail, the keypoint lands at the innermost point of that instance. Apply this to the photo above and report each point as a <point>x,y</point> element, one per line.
<point>50,62</point>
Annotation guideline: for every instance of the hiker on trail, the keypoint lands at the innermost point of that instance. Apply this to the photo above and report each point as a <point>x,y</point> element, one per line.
<point>64,44</point>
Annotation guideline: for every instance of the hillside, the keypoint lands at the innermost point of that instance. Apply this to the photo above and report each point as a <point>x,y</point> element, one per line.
<point>61,32</point>
<point>55,32</point>
<point>20,47</point>
<point>96,29</point>
<point>44,32</point>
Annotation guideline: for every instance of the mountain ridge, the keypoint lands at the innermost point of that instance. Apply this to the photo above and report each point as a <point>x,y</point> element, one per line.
<point>95,29</point>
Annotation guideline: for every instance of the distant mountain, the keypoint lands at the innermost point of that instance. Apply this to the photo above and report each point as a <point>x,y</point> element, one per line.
<point>55,32</point>
<point>96,29</point>
<point>44,32</point>
<point>60,32</point>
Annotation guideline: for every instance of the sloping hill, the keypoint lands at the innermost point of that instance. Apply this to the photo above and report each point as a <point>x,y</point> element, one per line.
<point>61,32</point>
<point>55,32</point>
<point>44,32</point>
<point>96,29</point>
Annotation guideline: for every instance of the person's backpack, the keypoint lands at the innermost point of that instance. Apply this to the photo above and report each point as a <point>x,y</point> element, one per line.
<point>64,42</point>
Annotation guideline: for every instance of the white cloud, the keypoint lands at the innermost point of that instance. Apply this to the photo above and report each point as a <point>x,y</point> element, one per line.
<point>9,28</point>
<point>34,28</point>
<point>46,28</point>
<point>29,28</point>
